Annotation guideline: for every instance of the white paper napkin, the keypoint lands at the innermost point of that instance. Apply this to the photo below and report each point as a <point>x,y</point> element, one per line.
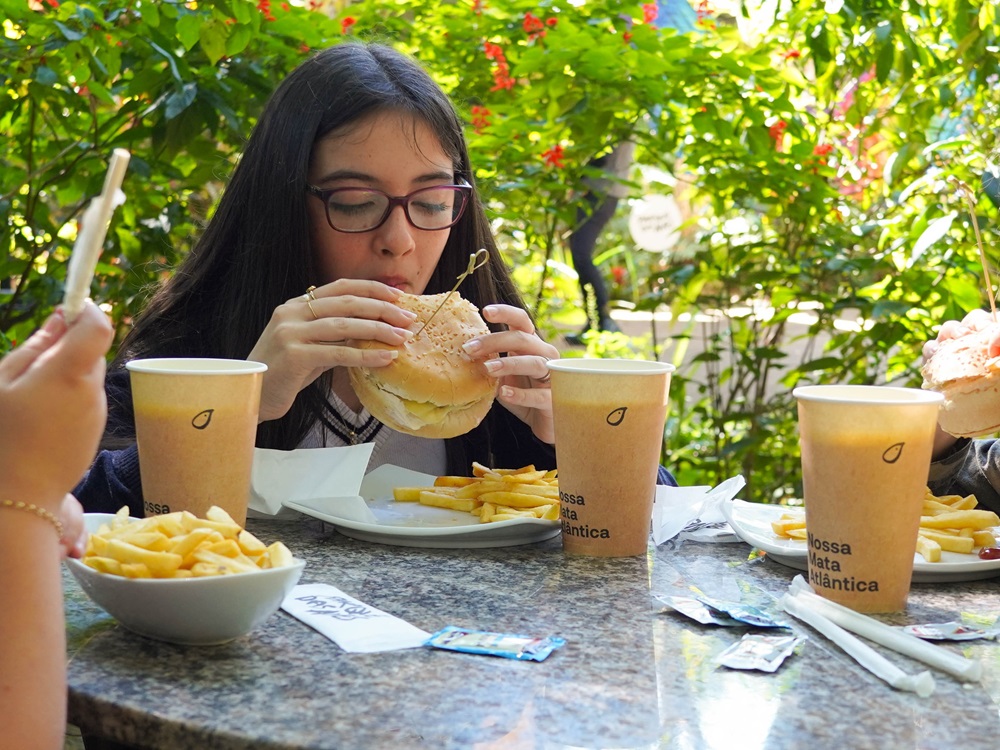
<point>676,507</point>
<point>306,474</point>
<point>351,624</point>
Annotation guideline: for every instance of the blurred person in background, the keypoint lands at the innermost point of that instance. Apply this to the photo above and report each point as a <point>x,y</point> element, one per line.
<point>53,408</point>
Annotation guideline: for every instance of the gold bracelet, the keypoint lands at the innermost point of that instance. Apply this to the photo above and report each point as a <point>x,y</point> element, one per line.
<point>37,510</point>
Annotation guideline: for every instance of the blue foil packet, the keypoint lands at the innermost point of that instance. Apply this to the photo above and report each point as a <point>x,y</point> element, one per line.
<point>743,613</point>
<point>522,647</point>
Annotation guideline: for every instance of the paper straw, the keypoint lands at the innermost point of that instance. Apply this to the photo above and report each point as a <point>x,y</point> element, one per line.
<point>885,635</point>
<point>90,240</point>
<point>922,684</point>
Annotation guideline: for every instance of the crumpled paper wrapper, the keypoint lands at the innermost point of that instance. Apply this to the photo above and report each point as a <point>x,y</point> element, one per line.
<point>305,474</point>
<point>694,512</point>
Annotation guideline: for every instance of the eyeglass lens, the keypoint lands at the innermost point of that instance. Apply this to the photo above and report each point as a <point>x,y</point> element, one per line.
<point>359,209</point>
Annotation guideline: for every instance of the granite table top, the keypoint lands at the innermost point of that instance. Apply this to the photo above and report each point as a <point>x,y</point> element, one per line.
<point>629,676</point>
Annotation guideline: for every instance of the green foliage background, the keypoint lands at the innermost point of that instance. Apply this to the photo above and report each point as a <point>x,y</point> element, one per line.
<point>817,151</point>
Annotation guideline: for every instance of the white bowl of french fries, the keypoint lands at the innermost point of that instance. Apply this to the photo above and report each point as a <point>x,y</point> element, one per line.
<point>183,579</point>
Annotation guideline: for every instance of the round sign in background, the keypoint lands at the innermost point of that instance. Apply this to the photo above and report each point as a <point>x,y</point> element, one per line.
<point>654,223</point>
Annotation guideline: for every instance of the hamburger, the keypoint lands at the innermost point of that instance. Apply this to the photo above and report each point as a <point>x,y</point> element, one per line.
<point>967,373</point>
<point>432,389</point>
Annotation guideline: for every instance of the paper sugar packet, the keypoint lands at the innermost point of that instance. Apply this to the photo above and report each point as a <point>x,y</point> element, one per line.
<point>351,624</point>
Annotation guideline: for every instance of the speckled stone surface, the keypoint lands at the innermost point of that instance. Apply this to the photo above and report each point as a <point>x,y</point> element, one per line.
<point>629,676</point>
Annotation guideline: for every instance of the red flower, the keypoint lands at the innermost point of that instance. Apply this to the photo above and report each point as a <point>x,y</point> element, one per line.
<point>264,6</point>
<point>532,23</point>
<point>823,149</point>
<point>551,21</point>
<point>618,273</point>
<point>480,118</point>
<point>346,24</point>
<point>627,37</point>
<point>649,12</point>
<point>553,157</point>
<point>285,7</point>
<point>493,51</point>
<point>777,133</point>
<point>792,54</point>
<point>53,3</point>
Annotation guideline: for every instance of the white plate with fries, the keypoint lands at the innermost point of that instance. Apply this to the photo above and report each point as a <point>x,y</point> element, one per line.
<point>752,524</point>
<point>416,524</point>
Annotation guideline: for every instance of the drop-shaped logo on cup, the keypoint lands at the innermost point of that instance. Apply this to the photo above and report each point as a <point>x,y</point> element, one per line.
<point>891,454</point>
<point>616,417</point>
<point>202,419</point>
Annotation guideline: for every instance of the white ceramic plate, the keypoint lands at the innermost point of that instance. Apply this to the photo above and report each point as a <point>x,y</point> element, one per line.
<point>752,524</point>
<point>413,525</point>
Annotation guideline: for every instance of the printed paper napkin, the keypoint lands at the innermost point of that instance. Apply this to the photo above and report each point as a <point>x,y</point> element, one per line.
<point>351,624</point>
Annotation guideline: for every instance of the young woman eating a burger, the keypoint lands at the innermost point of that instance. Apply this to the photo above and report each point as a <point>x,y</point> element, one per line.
<point>355,187</point>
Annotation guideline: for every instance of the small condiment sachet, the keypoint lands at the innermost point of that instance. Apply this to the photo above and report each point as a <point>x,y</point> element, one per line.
<point>351,624</point>
<point>694,512</point>
<point>947,631</point>
<point>507,645</point>
<point>710,611</point>
<point>764,653</point>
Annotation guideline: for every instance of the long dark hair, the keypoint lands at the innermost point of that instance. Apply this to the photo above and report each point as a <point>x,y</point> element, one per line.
<point>255,253</point>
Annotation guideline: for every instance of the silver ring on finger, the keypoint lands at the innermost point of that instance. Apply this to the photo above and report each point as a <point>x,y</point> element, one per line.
<point>547,376</point>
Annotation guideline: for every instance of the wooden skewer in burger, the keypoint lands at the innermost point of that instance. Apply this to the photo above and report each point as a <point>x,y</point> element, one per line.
<point>432,389</point>
<point>966,368</point>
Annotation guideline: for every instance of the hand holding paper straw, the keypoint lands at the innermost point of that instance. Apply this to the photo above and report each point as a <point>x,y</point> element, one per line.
<point>873,630</point>
<point>922,684</point>
<point>90,239</point>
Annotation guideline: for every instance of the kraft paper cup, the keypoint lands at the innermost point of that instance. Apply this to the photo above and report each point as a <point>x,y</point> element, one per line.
<point>196,425</point>
<point>609,417</point>
<point>866,453</point>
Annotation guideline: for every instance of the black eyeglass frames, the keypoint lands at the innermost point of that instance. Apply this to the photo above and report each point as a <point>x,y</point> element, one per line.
<point>355,210</point>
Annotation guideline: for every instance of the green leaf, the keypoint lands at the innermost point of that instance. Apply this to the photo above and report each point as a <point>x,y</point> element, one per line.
<point>68,33</point>
<point>189,30</point>
<point>934,232</point>
<point>239,38</point>
<point>180,100</point>
<point>213,35</point>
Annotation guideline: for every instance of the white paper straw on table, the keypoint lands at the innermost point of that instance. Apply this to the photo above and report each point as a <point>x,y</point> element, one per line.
<point>922,684</point>
<point>90,240</point>
<point>885,635</point>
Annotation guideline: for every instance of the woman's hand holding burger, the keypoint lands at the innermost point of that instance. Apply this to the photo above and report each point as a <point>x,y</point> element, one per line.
<point>963,363</point>
<point>523,373</point>
<point>307,335</point>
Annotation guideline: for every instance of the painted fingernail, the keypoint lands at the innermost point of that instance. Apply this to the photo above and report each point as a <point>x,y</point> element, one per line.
<point>409,314</point>
<point>493,365</point>
<point>506,391</point>
<point>489,310</point>
<point>406,334</point>
<point>473,346</point>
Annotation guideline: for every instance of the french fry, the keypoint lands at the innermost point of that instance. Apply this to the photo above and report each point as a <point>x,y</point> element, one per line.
<point>449,481</point>
<point>407,494</point>
<point>517,499</point>
<point>928,549</point>
<point>446,501</point>
<point>180,545</point>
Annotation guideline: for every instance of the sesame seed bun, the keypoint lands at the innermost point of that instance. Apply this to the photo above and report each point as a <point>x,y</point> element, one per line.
<point>432,389</point>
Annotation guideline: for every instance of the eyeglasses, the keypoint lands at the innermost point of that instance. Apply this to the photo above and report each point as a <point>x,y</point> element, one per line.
<point>355,210</point>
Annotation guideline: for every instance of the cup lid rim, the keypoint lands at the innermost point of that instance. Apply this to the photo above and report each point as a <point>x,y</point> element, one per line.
<point>199,365</point>
<point>876,394</point>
